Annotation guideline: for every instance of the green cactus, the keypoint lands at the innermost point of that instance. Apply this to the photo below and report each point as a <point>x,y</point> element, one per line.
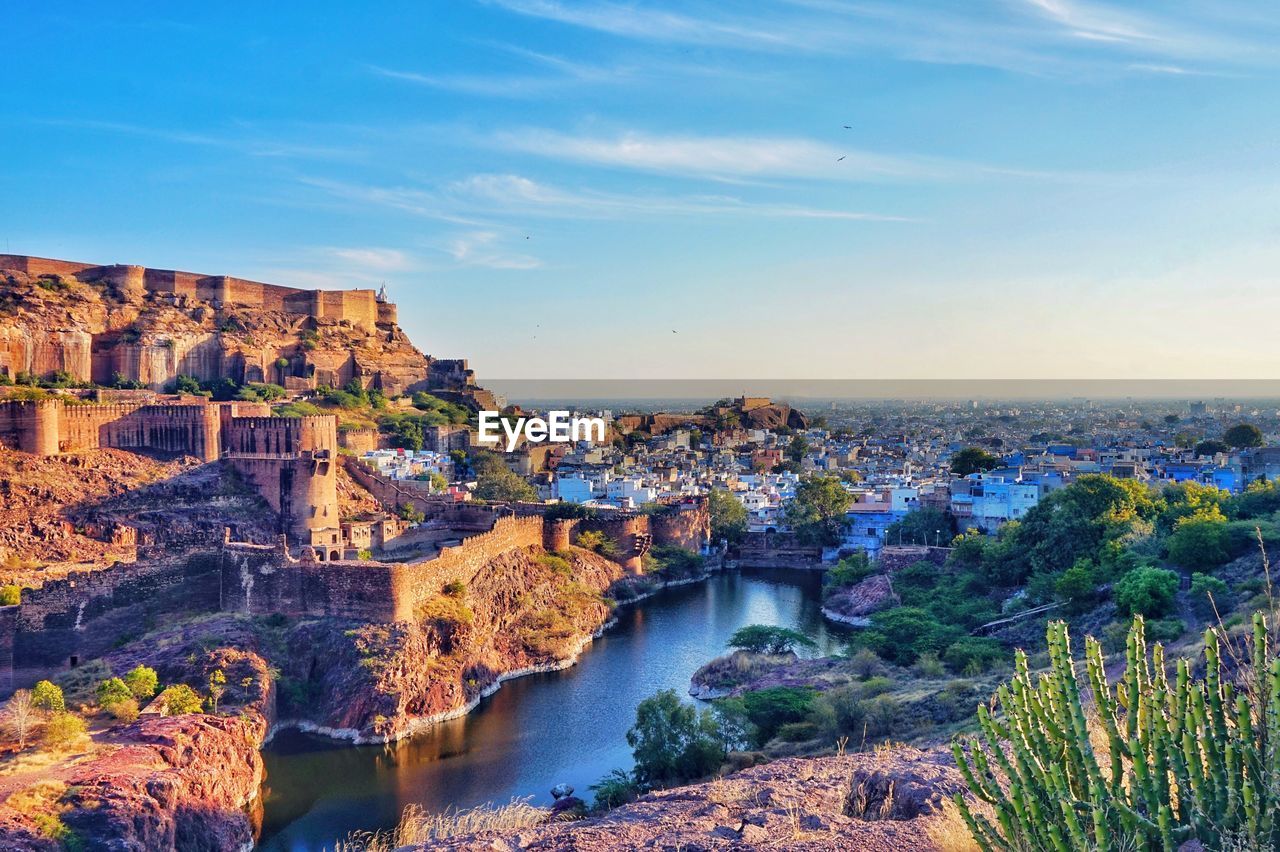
<point>1198,758</point>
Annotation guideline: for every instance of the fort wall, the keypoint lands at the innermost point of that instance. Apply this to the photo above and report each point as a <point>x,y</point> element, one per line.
<point>87,613</point>
<point>359,307</point>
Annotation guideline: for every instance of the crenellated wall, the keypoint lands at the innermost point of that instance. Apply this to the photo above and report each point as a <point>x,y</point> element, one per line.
<point>263,579</point>
<point>359,307</point>
<point>291,462</point>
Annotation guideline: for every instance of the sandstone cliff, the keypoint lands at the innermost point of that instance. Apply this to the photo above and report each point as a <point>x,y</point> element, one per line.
<point>526,610</point>
<point>88,326</point>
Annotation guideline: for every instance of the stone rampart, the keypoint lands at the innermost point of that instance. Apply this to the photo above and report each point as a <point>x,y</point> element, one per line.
<point>86,613</point>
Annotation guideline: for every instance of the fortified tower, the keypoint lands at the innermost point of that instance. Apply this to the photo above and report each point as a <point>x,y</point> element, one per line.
<point>291,461</point>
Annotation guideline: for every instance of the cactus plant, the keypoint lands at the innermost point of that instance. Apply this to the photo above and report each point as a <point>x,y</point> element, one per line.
<point>1163,762</point>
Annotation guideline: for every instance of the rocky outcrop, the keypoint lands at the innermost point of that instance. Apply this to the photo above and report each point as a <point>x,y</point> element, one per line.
<point>81,322</point>
<point>185,782</point>
<point>525,611</point>
<point>885,801</point>
<point>855,604</point>
<point>181,782</point>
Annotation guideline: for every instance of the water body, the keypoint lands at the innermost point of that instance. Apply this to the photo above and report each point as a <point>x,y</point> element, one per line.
<point>537,731</point>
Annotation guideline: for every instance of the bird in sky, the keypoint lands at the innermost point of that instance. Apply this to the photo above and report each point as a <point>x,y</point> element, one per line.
<point>673,331</point>
<point>838,159</point>
<point>848,127</point>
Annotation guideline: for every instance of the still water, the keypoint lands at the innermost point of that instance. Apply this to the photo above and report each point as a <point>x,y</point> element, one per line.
<point>537,731</point>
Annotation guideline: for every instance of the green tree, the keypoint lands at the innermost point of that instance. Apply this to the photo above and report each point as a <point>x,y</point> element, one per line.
<point>142,682</point>
<point>47,696</point>
<point>728,516</point>
<point>10,595</point>
<point>973,460</point>
<point>1089,519</point>
<point>64,730</point>
<point>798,448</point>
<point>767,710</point>
<point>1078,586</point>
<point>185,384</point>
<point>1200,540</point>
<point>767,639</point>
<point>1211,447</point>
<point>672,742</point>
<point>497,482</point>
<point>1146,591</point>
<point>112,691</point>
<point>818,510</point>
<point>179,699</point>
<point>900,635</point>
<point>921,526</point>
<point>1243,435</point>
<point>217,687</point>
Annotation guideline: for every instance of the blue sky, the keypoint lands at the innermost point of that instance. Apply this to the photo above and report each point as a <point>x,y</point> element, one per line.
<point>1028,189</point>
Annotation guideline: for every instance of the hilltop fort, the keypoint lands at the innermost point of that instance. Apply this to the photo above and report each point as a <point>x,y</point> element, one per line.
<point>131,325</point>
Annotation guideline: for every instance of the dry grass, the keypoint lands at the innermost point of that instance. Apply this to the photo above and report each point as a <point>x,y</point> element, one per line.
<point>418,826</point>
<point>947,831</point>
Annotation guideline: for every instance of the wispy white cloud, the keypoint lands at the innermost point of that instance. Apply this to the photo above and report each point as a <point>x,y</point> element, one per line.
<point>1029,36</point>
<point>373,258</point>
<point>517,193</point>
<point>564,73</point>
<point>483,249</point>
<point>651,23</point>
<point>242,139</point>
<point>715,157</point>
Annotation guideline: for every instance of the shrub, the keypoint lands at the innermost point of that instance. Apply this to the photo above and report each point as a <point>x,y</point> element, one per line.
<point>142,682</point>
<point>64,730</point>
<point>558,564</point>
<point>179,699</point>
<point>848,571</point>
<point>766,639</point>
<point>112,691</point>
<point>10,595</point>
<point>1211,748</point>
<point>454,588</point>
<point>597,541</point>
<point>1208,592</point>
<point>616,788</point>
<point>47,696</point>
<point>1146,591</point>
<point>767,710</point>
<point>1166,629</point>
<point>125,710</point>
<point>865,662</point>
<point>974,654</point>
<point>929,666</point>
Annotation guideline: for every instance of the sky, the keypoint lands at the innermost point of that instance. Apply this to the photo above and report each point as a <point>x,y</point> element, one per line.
<point>828,189</point>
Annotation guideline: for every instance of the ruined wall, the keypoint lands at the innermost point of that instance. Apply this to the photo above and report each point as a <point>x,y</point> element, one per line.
<point>87,613</point>
<point>261,579</point>
<point>776,550</point>
<point>893,558</point>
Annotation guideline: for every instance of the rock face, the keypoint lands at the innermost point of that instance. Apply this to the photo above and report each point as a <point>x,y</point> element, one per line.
<point>883,802</point>
<point>181,782</point>
<point>523,612</point>
<point>98,323</point>
<point>854,604</point>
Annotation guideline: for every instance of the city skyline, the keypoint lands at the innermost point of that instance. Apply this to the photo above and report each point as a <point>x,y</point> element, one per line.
<point>813,188</point>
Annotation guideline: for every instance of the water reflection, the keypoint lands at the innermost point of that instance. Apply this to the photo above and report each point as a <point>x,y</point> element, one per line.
<point>536,731</point>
